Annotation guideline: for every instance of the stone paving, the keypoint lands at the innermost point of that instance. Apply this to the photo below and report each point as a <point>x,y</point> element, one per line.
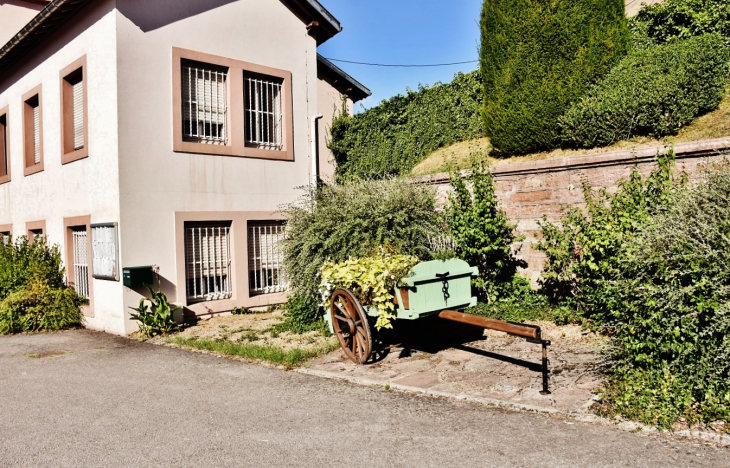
<point>456,359</point>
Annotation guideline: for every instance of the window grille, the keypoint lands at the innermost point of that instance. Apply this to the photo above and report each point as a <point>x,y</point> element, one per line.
<point>262,109</point>
<point>36,234</point>
<point>207,261</point>
<point>205,105</point>
<point>81,262</point>
<point>265,257</point>
<point>78,115</point>
<point>3,146</point>
<point>36,134</point>
<point>6,237</point>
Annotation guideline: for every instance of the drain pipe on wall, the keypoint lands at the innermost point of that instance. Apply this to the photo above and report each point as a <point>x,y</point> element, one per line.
<point>315,149</point>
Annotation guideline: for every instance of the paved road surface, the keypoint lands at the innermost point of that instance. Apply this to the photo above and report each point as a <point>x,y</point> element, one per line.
<point>111,402</point>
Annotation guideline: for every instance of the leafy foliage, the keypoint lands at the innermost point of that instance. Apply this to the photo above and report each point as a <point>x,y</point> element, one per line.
<point>334,223</point>
<point>302,315</point>
<point>391,138</point>
<point>481,231</point>
<point>680,19</point>
<point>670,310</point>
<point>372,279</point>
<point>584,250</point>
<point>537,57</point>
<point>653,92</point>
<point>157,317</point>
<point>33,295</point>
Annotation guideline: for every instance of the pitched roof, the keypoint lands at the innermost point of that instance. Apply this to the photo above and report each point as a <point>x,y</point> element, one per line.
<point>343,82</point>
<point>58,12</point>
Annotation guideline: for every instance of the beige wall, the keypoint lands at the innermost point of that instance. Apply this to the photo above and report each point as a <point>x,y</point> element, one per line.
<point>633,6</point>
<point>329,105</point>
<point>156,183</point>
<point>14,14</point>
<point>85,187</point>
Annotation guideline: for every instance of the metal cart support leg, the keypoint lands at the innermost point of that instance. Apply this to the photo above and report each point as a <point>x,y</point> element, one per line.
<point>545,369</point>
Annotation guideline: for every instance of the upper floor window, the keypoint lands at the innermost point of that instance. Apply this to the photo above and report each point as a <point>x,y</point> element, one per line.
<point>205,103</point>
<point>33,131</point>
<point>4,148</point>
<point>229,107</point>
<point>74,114</point>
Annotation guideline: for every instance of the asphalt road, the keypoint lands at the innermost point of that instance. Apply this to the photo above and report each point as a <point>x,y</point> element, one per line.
<point>85,399</point>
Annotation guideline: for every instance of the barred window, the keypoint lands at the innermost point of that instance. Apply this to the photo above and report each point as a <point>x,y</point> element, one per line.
<point>3,146</point>
<point>208,261</point>
<point>81,261</point>
<point>263,112</point>
<point>205,103</point>
<point>265,257</point>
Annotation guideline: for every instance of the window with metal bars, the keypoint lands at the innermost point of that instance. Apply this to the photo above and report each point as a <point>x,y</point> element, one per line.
<point>263,112</point>
<point>205,103</point>
<point>81,261</point>
<point>208,261</point>
<point>3,145</point>
<point>36,132</point>
<point>265,257</point>
<point>6,237</point>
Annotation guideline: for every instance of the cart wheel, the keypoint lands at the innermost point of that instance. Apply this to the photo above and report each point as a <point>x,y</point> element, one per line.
<point>351,326</point>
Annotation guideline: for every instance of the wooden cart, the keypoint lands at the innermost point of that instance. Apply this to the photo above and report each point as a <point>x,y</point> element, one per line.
<point>435,288</point>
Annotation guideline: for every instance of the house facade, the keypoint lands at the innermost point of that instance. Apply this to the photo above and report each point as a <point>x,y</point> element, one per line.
<point>154,136</point>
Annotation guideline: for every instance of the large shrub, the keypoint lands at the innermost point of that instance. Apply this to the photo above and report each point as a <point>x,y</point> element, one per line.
<point>336,222</point>
<point>391,138</point>
<point>537,57</point>
<point>33,295</point>
<point>653,92</point>
<point>680,19</point>
<point>584,250</point>
<point>670,310</point>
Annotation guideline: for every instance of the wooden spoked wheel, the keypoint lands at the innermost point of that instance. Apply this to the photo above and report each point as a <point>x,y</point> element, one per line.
<point>351,326</point>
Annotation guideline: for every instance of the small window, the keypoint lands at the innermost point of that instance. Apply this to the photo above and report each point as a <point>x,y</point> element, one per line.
<point>33,134</point>
<point>263,112</point>
<point>208,261</point>
<point>74,133</point>
<point>265,257</point>
<point>35,234</point>
<point>6,237</point>
<point>205,103</point>
<point>80,242</point>
<point>4,153</point>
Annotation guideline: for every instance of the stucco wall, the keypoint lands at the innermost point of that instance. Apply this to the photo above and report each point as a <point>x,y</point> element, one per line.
<point>85,187</point>
<point>330,104</point>
<point>157,182</point>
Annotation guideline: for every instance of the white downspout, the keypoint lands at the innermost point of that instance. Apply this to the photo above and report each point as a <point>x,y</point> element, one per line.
<point>315,149</point>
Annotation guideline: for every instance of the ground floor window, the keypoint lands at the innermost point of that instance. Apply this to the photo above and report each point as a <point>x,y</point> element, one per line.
<point>208,261</point>
<point>265,257</point>
<point>80,246</point>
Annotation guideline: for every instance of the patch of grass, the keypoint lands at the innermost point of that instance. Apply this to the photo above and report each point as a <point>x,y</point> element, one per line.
<point>286,358</point>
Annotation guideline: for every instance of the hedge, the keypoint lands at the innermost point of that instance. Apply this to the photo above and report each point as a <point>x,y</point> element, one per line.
<point>680,19</point>
<point>393,137</point>
<point>652,92</point>
<point>537,57</point>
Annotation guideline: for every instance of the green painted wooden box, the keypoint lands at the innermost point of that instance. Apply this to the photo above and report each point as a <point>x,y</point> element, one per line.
<point>429,288</point>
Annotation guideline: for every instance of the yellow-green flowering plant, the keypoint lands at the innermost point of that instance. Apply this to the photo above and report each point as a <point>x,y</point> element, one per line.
<point>372,279</point>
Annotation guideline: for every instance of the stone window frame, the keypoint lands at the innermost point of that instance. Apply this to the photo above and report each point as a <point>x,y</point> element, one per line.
<point>68,225</point>
<point>6,228</point>
<point>236,145</point>
<point>5,178</point>
<point>68,154</point>
<point>30,166</point>
<point>35,226</point>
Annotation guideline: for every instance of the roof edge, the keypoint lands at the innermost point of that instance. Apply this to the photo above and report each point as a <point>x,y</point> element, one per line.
<point>311,11</point>
<point>353,88</point>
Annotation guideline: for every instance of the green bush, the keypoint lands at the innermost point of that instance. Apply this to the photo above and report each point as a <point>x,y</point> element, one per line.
<point>584,250</point>
<point>333,223</point>
<point>391,138</point>
<point>670,310</point>
<point>157,318</point>
<point>33,295</point>
<point>652,92</point>
<point>302,315</point>
<point>539,56</point>
<point>680,19</point>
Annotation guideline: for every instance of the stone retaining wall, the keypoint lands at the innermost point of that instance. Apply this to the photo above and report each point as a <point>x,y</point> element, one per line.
<point>530,190</point>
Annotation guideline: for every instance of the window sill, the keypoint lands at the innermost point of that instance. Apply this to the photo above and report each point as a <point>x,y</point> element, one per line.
<point>5,179</point>
<point>228,150</point>
<point>75,155</point>
<point>34,169</point>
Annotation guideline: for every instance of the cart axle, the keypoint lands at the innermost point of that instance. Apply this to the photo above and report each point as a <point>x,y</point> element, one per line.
<point>531,333</point>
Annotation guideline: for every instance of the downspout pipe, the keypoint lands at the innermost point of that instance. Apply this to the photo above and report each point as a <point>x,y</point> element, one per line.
<point>315,149</point>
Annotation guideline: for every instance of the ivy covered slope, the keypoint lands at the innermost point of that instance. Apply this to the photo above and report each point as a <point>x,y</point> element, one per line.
<point>537,57</point>
<point>391,138</point>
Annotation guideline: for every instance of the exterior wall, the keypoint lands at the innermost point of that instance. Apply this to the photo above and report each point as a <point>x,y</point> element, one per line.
<point>86,187</point>
<point>530,190</point>
<point>159,185</point>
<point>329,105</point>
<point>14,14</point>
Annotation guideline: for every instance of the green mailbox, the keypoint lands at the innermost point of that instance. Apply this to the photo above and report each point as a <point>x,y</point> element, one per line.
<point>137,276</point>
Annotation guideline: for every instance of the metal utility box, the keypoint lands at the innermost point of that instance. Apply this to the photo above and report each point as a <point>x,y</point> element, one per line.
<point>137,276</point>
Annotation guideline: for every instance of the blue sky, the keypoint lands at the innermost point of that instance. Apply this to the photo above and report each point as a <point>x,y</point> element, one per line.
<point>403,32</point>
